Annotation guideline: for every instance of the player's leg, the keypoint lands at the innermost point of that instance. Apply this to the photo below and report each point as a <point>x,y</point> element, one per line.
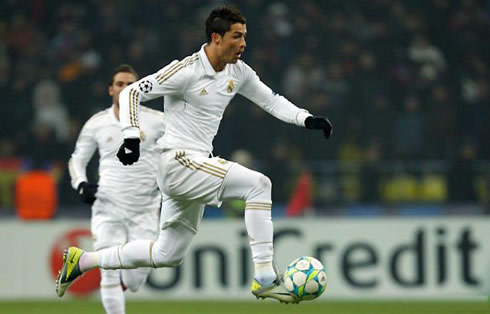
<point>111,291</point>
<point>133,279</point>
<point>178,224</point>
<point>212,180</point>
<point>109,231</point>
<point>255,189</point>
<point>143,225</point>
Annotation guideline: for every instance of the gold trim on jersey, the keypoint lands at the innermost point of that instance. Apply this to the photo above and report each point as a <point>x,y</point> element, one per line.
<point>133,100</point>
<point>162,77</point>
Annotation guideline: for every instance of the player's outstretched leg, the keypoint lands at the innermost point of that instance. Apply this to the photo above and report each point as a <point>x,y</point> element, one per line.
<point>275,290</point>
<point>70,270</point>
<point>255,189</point>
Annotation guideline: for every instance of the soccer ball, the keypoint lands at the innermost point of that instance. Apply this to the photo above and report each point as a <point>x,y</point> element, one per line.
<point>306,278</point>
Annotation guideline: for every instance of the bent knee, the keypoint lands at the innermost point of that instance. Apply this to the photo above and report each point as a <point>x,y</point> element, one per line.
<point>134,281</point>
<point>264,182</point>
<point>261,188</point>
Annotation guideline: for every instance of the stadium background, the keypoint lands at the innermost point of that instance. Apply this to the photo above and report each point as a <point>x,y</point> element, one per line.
<point>405,84</point>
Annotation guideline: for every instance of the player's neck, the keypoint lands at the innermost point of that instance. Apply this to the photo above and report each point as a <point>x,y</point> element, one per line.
<point>116,110</point>
<point>217,64</point>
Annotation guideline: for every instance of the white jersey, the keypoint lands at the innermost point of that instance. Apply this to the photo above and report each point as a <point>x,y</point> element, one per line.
<point>132,188</point>
<point>195,98</point>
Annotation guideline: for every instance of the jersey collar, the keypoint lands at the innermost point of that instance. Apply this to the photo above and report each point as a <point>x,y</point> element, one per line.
<point>208,68</point>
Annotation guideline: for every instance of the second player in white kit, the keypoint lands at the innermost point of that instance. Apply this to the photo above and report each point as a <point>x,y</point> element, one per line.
<point>196,92</point>
<point>127,199</point>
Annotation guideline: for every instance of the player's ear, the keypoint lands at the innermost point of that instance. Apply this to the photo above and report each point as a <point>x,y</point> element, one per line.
<point>110,90</point>
<point>216,38</point>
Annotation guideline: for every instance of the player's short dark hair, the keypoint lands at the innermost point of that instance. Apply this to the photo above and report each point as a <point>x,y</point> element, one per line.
<point>124,68</point>
<point>220,20</point>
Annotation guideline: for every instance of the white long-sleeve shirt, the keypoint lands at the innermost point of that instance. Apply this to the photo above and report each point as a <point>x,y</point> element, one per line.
<point>128,188</point>
<point>195,98</point>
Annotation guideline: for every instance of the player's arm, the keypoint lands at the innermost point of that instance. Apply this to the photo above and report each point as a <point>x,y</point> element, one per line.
<point>77,165</point>
<point>278,106</point>
<point>172,79</point>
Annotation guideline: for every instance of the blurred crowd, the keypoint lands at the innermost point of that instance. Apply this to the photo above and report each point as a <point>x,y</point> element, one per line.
<point>400,80</point>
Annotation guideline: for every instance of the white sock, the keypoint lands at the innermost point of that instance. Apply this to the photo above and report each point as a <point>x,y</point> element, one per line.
<point>264,273</point>
<point>128,256</point>
<point>88,261</point>
<point>111,292</point>
<point>260,232</point>
<point>113,299</point>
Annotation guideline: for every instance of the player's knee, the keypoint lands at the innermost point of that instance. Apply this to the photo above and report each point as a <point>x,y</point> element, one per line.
<point>134,279</point>
<point>135,284</point>
<point>261,188</point>
<point>265,183</point>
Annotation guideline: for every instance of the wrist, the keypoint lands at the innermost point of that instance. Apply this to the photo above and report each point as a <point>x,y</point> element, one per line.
<point>80,186</point>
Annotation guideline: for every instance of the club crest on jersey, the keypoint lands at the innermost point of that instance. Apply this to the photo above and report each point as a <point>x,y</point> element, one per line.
<point>230,87</point>
<point>145,86</point>
<point>142,135</point>
<point>222,161</point>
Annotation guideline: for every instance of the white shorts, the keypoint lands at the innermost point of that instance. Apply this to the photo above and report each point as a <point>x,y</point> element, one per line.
<point>111,226</point>
<point>191,175</point>
<point>189,180</point>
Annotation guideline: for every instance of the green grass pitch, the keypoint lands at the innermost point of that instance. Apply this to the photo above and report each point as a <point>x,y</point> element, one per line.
<point>263,307</point>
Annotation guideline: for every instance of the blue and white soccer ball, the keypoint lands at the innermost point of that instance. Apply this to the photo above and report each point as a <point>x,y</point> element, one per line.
<point>306,278</point>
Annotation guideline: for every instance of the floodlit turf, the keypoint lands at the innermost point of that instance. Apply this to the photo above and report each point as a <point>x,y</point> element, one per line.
<point>264,307</point>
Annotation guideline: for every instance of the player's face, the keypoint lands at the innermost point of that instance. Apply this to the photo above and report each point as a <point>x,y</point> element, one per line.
<point>121,80</point>
<point>233,43</point>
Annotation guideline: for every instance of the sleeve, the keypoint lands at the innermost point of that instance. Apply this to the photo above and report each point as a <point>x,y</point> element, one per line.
<point>170,80</point>
<point>278,106</point>
<point>84,150</point>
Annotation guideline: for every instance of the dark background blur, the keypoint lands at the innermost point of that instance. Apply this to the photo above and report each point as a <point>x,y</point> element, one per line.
<point>405,84</point>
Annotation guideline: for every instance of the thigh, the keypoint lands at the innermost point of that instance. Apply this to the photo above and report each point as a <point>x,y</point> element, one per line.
<point>172,245</point>
<point>240,181</point>
<point>192,176</point>
<point>187,213</point>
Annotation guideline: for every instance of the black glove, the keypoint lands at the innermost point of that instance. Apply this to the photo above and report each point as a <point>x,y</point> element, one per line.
<point>129,152</point>
<point>87,192</point>
<point>318,123</point>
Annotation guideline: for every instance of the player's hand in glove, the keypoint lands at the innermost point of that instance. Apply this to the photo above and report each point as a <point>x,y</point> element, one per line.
<point>87,192</point>
<point>129,152</point>
<point>319,123</point>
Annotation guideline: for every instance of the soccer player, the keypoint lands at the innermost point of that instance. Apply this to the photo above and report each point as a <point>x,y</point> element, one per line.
<point>196,91</point>
<point>127,199</point>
